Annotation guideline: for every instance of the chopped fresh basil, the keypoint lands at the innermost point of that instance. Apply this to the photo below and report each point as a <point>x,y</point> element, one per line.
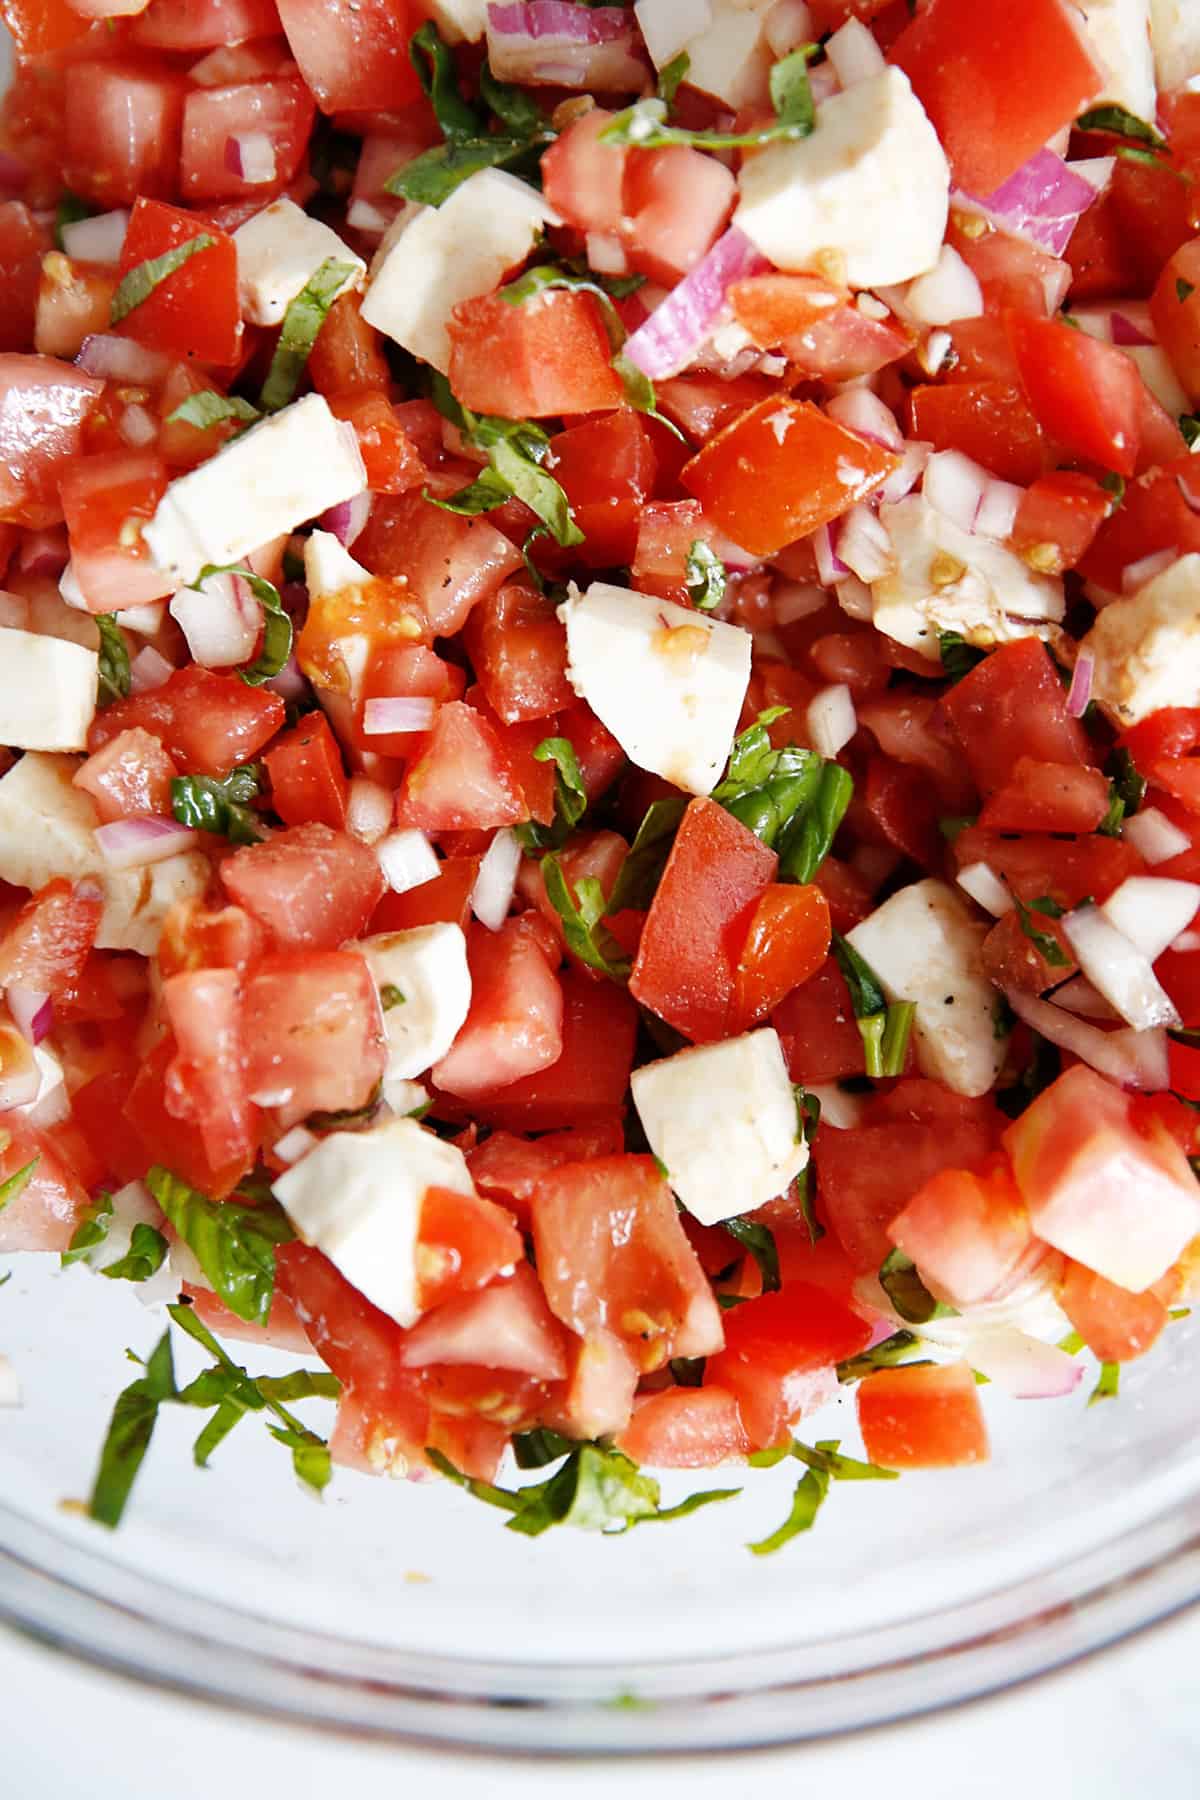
<point>958,657</point>
<point>535,1449</point>
<point>469,146</point>
<point>766,789</point>
<point>639,389</point>
<point>69,211</point>
<point>1127,784</point>
<point>516,110</point>
<point>808,839</point>
<point>896,1032</point>
<point>514,448</point>
<point>129,1433</point>
<point>91,1231</point>
<point>706,577</point>
<point>1121,123</point>
<point>433,61</point>
<point>1072,1343</point>
<point>1043,1068</point>
<point>644,126</point>
<point>234,1244</point>
<point>432,177</point>
<point>1184,289</point>
<point>1044,942</point>
<point>18,1182</point>
<point>596,1489</point>
<point>671,78</point>
<point>301,322</point>
<point>1189,425</point>
<point>688,1370</point>
<point>141,281</point>
<point>1109,1384</point>
<point>570,797</point>
<point>277,626</point>
<point>390,996</point>
<point>866,989</point>
<point>220,805</point>
<point>952,825</point>
<point>208,408</point>
<point>352,1118</point>
<point>113,670</point>
<point>760,1242</point>
<point>893,1350</point>
<point>807,1501</point>
<point>642,869</point>
<point>1115,485</point>
<point>1148,159</point>
<point>825,1458</point>
<point>145,1257</point>
<point>586,937</point>
<point>907,1292</point>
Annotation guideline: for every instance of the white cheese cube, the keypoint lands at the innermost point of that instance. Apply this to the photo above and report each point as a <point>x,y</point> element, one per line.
<point>279,251</point>
<point>1175,36</point>
<point>47,828</point>
<point>459,21</point>
<point>925,947</point>
<point>280,473</point>
<point>329,566</point>
<point>666,681</point>
<point>1146,648</point>
<point>869,190</point>
<point>722,1118</point>
<point>1119,31</point>
<point>946,579</point>
<point>1151,911</point>
<point>428,967</point>
<point>730,56</point>
<point>448,253</point>
<point>358,1196</point>
<point>47,691</point>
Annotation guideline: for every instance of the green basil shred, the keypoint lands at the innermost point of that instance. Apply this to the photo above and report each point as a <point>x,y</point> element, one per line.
<point>220,804</point>
<point>596,1489</point>
<point>141,281</point>
<point>234,1244</point>
<point>301,323</point>
<point>113,670</point>
<point>644,124</point>
<point>277,626</point>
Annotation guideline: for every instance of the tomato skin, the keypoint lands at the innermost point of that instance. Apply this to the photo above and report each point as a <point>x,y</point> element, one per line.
<point>46,945</point>
<point>685,1428</point>
<point>103,497</point>
<point>310,887</point>
<point>283,108</point>
<point>207,1082</point>
<point>121,130</point>
<point>208,723</point>
<point>607,468</point>
<point>900,810</point>
<point>969,1233</point>
<point>537,360</point>
<point>43,1216</point>
<point>817,1029</point>
<point>43,406</point>
<point>354,60</point>
<point>772,475</point>
<point>674,201</point>
<point>448,562</point>
<point>508,1168</point>
<point>282,1331</point>
<point>687,961</point>
<point>1155,516</point>
<point>514,1027</point>
<point>614,1261</point>
<point>314,1034</point>
<point>166,1136</point>
<point>774,1347</point>
<point>42,26</point>
<point>462,779</point>
<point>1012,705</point>
<point>988,421</point>
<point>195,936</point>
<point>518,649</point>
<point>787,942</point>
<point>818,328</point>
<point>1047,796</point>
<point>583,178</point>
<point>196,311</point>
<point>308,782</point>
<point>927,1417</point>
<point>347,357</point>
<point>1085,394</point>
<point>1116,1326</point>
<point>445,899</point>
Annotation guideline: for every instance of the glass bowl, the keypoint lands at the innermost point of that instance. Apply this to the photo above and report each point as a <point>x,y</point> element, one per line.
<point>406,1609</point>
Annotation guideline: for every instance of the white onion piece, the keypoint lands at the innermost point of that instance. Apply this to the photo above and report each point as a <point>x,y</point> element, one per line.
<point>121,359</point>
<point>562,45</point>
<point>1136,574</point>
<point>788,25</point>
<point>832,720</point>
<point>145,620</point>
<point>407,860</point>
<point>839,1109</point>
<point>294,1144</point>
<point>1151,911</point>
<point>137,427</point>
<point>830,567</point>
<point>863,544</point>
<point>997,513</point>
<point>32,1012</point>
<point>1022,1365</point>
<point>792,600</point>
<point>221,621</point>
<point>669,25</point>
<point>858,409</point>
<point>606,253</point>
<point>913,460</point>
<point>1079,693</point>
<point>496,881</point>
<point>1080,997</point>
<point>1118,969</point>
<point>985,887</point>
<point>250,155</point>
<point>10,1385</point>
<point>955,486</point>
<point>950,291</point>
<point>675,330</point>
<point>368,809</point>
<point>1155,837</point>
<point>98,239</point>
<point>132,843</point>
<point>1137,1059</point>
<point>20,1076</point>
<point>854,53</point>
<point>365,216</point>
<point>148,671</point>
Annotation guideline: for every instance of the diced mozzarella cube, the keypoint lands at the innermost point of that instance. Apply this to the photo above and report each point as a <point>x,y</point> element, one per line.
<point>946,579</point>
<point>329,566</point>
<point>722,1118</point>
<point>358,1196</point>
<point>47,691</point>
<point>47,828</point>
<point>1146,648</point>
<point>667,682</point>
<point>428,967</point>
<point>134,1205</point>
<point>459,21</point>
<point>925,947</point>
<point>279,251</point>
<point>1151,911</point>
<point>1119,31</point>
<point>869,189</point>
<point>730,57</point>
<point>449,253</point>
<point>1175,36</point>
<point>280,473</point>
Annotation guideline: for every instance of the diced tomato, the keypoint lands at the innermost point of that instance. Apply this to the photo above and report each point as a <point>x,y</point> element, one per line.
<point>518,649</point>
<point>607,469</point>
<point>988,421</point>
<point>311,887</point>
<point>509,1168</point>
<point>898,808</point>
<point>1067,870</point>
<point>282,1331</point>
<point>353,59</point>
<point>968,1233</point>
<point>505,1326</point>
<point>1011,959</point>
<point>816,325</point>
<point>1154,211</point>
<point>1175,309</point>
<point>46,945</point>
<point>776,473</point>
<point>103,494</point>
<point>348,358</point>
<point>687,963</point>
<point>1058,518</point>
<point>867,1176</point>
<point>1085,394</point>
<point>207,1081</point>
<point>391,460</point>
<point>928,1417</point>
<point>997,81</point>
<point>166,1136</point>
<point>445,899</point>
<point>685,1428</point>
<point>704,404</point>
<point>1160,511</point>
<point>22,246</point>
<point>548,356</point>
<point>74,300</point>
<point>203,24</point>
<point>462,779</point>
<point>1116,1326</point>
<point>583,178</point>
<point>613,1260</point>
<point>209,723</point>
<point>448,562</point>
<point>43,406</point>
<point>514,1027</point>
<point>195,312</point>
<point>601,758</point>
<point>787,942</point>
<point>121,130</point>
<point>464,1242</point>
<point>308,781</point>
<point>1047,796</point>
<point>42,26</point>
<point>903,725</point>
<point>1012,705</point>
<point>43,1216</point>
<point>674,203</point>
<point>779,1355</point>
<point>282,109</point>
<point>195,936</point>
<point>817,1028</point>
<point>314,1034</point>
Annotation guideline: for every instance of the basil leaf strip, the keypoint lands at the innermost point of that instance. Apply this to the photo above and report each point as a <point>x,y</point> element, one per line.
<point>585,936</point>
<point>145,1257</point>
<point>234,1244</point>
<point>129,1433</point>
<point>220,804</point>
<point>907,1292</point>
<point>671,77</point>
<point>208,408</point>
<point>17,1183</point>
<point>596,1489</point>
<point>958,657</point>
<point>706,577</point>
<point>639,389</point>
<point>141,281</point>
<point>893,1350</point>
<point>301,323</point>
<point>1122,124</point>
<point>113,667</point>
<point>277,626</point>
<point>91,1231</point>
<point>760,1242</point>
<point>642,870</point>
<point>644,124</point>
<point>433,61</point>
<point>514,449</point>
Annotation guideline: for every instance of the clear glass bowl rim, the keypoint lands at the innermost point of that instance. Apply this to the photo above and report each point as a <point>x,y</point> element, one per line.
<point>65,1596</point>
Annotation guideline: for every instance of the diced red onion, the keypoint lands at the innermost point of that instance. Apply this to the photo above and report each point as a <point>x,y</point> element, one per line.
<point>668,26</point>
<point>858,409</point>
<point>854,53</point>
<point>14,174</point>
<point>149,670</point>
<point>347,519</point>
<point>294,1144</point>
<point>1137,1059</point>
<point>44,552</point>
<point>1155,837</point>
<point>550,41</point>
<point>1079,693</point>
<point>132,843</point>
<point>1097,171</point>
<point>997,513</point>
<point>1121,972</point>
<point>863,544</point>
<point>137,427</point>
<point>948,292</point>
<point>792,600</point>
<point>1126,332</point>
<point>20,1076</point>
<point>830,568</point>
<point>290,683</point>
<point>1186,943</point>
<point>1043,201</point>
<point>250,155</point>
<point>407,860</point>
<point>121,359</point>
<point>32,1012</point>
<point>98,239</point>
<point>955,486</point>
<point>985,887</point>
<point>496,881</point>
<point>1023,1365</point>
<point>1137,574</point>
<point>398,712</point>
<point>913,460</point>
<point>675,330</point>
<point>831,719</point>
<point>221,621</point>
<point>1151,911</point>
<point>1080,997</point>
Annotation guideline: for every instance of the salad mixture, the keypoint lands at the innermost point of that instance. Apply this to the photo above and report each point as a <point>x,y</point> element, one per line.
<point>600,672</point>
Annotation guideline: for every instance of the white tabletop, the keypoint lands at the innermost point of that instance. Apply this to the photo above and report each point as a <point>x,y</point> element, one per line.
<point>1122,1723</point>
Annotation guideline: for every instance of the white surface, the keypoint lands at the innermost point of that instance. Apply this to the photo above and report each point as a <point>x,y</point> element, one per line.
<point>1122,1723</point>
